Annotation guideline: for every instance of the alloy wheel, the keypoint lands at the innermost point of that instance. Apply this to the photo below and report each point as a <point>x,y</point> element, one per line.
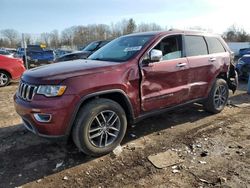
<point>3,79</point>
<point>220,96</point>
<point>104,129</point>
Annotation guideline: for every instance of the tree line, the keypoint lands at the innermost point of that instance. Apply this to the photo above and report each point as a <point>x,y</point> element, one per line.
<point>77,36</point>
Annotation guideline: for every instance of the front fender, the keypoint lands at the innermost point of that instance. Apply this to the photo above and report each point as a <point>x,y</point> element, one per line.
<point>97,94</point>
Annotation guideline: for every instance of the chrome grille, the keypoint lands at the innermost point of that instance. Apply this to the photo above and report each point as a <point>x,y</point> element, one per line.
<point>26,91</point>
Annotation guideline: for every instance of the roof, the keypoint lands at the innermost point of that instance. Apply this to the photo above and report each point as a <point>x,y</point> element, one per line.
<point>171,31</point>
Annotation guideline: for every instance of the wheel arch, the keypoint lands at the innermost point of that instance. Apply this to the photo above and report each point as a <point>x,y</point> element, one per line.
<point>7,72</point>
<point>116,95</point>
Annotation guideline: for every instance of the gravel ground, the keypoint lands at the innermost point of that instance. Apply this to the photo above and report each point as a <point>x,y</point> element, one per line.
<point>214,151</point>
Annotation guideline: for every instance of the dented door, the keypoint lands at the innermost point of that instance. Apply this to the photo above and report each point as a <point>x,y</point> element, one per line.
<point>164,84</point>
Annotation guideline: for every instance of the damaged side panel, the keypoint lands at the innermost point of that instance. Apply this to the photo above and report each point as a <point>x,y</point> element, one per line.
<point>232,78</point>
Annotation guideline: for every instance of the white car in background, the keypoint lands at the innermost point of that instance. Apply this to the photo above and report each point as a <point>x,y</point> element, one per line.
<point>6,53</point>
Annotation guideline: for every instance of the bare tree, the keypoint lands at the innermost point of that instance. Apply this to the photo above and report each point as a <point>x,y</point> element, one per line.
<point>115,30</point>
<point>4,42</point>
<point>12,36</point>
<point>54,39</point>
<point>142,27</point>
<point>45,38</point>
<point>67,36</point>
<point>28,38</point>
<point>131,26</point>
<point>102,31</point>
<point>236,34</point>
<point>80,35</point>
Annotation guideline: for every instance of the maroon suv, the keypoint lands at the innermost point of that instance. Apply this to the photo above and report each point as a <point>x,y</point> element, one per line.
<point>131,78</point>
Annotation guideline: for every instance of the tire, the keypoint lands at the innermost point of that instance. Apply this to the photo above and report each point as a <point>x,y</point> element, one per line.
<point>218,96</point>
<point>99,127</point>
<point>4,78</point>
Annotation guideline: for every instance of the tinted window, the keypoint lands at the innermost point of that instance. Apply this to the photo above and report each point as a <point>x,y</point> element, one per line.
<point>92,46</point>
<point>214,45</point>
<point>171,47</point>
<point>195,45</point>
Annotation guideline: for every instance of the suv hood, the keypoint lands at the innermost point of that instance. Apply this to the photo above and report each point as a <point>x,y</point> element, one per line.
<point>55,73</point>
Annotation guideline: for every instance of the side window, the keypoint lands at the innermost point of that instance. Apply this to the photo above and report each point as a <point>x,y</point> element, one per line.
<point>171,47</point>
<point>214,45</point>
<point>195,45</point>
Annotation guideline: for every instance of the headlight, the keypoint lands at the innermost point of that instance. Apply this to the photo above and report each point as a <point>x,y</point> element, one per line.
<point>51,90</point>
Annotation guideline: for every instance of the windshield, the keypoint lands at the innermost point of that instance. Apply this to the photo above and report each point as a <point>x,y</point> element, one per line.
<point>121,49</point>
<point>91,47</point>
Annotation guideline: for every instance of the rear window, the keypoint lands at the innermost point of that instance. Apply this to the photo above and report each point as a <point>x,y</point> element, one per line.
<point>214,45</point>
<point>195,45</point>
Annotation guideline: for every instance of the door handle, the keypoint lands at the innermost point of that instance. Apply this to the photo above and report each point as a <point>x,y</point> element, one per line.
<point>181,65</point>
<point>212,59</point>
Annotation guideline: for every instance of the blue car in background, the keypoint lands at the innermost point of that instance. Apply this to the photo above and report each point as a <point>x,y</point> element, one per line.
<point>43,56</point>
<point>244,51</point>
<point>36,55</point>
<point>243,67</point>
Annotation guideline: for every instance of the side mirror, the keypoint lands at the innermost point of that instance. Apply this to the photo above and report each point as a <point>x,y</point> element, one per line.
<point>155,55</point>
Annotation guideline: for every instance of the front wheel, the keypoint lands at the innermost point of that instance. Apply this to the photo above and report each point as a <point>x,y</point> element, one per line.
<point>4,79</point>
<point>218,97</point>
<point>99,127</point>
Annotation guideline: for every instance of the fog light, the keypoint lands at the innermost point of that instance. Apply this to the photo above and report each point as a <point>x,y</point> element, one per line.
<point>43,118</point>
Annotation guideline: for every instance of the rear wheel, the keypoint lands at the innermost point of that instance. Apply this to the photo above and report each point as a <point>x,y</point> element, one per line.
<point>4,79</point>
<point>218,97</point>
<point>99,127</point>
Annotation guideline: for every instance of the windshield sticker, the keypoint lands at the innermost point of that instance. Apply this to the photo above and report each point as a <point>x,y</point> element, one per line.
<point>135,48</point>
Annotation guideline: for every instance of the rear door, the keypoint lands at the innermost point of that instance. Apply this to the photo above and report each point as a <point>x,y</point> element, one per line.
<point>217,51</point>
<point>206,57</point>
<point>200,66</point>
<point>164,83</point>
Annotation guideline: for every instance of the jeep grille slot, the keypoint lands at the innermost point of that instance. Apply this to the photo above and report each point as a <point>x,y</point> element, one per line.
<point>26,91</point>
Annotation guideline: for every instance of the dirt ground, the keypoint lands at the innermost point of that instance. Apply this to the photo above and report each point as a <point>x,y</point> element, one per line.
<point>214,149</point>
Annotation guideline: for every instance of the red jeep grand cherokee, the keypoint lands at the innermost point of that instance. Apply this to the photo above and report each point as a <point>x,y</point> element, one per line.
<point>131,78</point>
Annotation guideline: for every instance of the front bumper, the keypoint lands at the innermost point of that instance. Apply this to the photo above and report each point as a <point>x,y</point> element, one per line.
<point>60,108</point>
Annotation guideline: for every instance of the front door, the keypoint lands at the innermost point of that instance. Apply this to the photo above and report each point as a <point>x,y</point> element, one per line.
<point>164,83</point>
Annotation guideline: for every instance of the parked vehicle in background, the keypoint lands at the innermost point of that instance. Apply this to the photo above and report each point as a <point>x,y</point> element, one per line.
<point>243,67</point>
<point>10,69</point>
<point>60,52</point>
<point>244,51</point>
<point>85,53</point>
<point>36,55</point>
<point>131,78</point>
<point>94,46</point>
<point>19,53</point>
<point>11,50</point>
<point>6,53</point>
<point>72,56</point>
<point>43,56</point>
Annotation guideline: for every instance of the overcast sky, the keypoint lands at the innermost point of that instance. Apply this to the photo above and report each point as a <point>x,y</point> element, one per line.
<point>37,16</point>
